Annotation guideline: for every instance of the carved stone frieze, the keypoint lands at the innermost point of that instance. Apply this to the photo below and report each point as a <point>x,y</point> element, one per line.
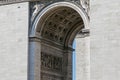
<point>51,62</point>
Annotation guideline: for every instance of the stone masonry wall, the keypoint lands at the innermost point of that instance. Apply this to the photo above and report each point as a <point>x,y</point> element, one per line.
<point>82,58</point>
<point>13,41</point>
<point>105,39</point>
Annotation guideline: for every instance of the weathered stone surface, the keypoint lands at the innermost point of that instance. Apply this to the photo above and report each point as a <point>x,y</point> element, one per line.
<point>43,1</point>
<point>14,1</point>
<point>82,58</point>
<point>105,39</point>
<point>50,57</point>
<point>14,41</point>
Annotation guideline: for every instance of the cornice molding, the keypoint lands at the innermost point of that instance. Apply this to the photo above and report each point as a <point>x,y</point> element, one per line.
<point>50,43</point>
<point>5,2</point>
<point>83,33</point>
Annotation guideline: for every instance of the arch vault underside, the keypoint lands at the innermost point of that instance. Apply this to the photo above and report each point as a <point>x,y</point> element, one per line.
<point>51,36</point>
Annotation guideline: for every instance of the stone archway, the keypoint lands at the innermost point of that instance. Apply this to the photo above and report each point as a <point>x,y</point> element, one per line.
<point>51,38</point>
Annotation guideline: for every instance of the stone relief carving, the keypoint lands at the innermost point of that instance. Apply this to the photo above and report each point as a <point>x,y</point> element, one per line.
<point>53,65</point>
<point>50,62</point>
<point>85,5</point>
<point>35,7</point>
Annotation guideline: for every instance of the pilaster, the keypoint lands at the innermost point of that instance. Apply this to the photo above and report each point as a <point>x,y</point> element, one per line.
<point>34,60</point>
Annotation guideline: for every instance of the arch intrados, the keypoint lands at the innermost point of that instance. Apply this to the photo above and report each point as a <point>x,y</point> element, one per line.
<point>53,6</point>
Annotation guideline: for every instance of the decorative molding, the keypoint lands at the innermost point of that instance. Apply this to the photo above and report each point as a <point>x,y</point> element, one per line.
<point>37,5</point>
<point>85,5</point>
<point>4,2</point>
<point>45,1</point>
<point>83,33</point>
<point>51,43</point>
<point>38,20</point>
<point>45,76</point>
<point>40,3</point>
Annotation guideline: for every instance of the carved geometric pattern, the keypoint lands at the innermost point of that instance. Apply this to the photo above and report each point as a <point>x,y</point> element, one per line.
<point>59,23</point>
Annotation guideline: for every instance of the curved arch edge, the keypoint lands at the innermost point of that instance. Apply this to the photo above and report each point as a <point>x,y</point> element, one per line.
<point>72,5</point>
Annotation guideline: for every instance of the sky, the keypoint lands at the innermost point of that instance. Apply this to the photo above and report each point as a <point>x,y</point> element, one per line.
<point>74,62</point>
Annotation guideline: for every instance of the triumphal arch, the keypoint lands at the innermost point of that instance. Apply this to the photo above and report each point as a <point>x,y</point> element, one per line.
<point>53,25</point>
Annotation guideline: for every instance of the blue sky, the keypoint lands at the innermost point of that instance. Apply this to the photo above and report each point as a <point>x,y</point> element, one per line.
<point>74,62</point>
